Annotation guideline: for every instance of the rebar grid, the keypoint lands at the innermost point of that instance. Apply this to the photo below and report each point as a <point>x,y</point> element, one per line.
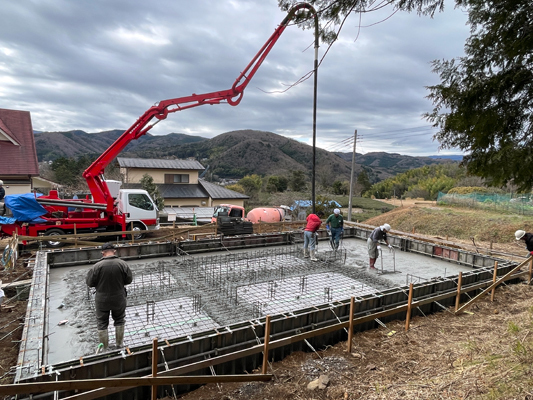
<point>179,297</point>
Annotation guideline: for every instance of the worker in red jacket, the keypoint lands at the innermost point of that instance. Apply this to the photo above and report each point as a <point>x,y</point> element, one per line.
<point>313,225</point>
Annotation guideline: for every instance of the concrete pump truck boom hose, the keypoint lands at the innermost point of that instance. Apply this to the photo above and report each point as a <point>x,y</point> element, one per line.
<point>158,112</point>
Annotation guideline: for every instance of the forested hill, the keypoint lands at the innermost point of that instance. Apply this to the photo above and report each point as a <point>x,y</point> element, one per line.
<point>231,154</point>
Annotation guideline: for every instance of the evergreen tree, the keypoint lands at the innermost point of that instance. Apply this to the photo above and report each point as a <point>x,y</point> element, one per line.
<point>147,183</point>
<point>484,103</point>
<point>297,181</point>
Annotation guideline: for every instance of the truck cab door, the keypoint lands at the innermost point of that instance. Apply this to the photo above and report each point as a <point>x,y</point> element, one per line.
<point>139,206</point>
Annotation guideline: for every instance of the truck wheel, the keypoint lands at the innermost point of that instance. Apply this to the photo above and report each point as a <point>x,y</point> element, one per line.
<point>137,226</point>
<point>54,243</point>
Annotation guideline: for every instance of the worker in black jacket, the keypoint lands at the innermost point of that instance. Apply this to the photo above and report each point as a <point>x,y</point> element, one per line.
<point>526,237</point>
<point>109,276</point>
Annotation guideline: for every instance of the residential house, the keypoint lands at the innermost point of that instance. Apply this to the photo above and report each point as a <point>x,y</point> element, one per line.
<point>178,182</point>
<point>18,158</point>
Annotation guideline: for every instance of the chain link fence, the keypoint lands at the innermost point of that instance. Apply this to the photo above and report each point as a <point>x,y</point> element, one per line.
<point>511,203</point>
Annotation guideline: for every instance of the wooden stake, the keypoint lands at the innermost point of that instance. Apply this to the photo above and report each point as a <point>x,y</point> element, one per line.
<point>350,326</point>
<point>154,367</point>
<point>409,301</point>
<point>75,236</point>
<point>458,297</point>
<point>494,277</point>
<point>530,269</point>
<point>413,230</point>
<point>267,342</point>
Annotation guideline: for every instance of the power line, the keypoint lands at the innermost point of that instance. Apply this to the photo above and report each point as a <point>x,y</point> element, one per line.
<point>382,135</point>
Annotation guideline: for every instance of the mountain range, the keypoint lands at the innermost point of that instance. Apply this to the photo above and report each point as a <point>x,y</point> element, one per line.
<point>232,154</point>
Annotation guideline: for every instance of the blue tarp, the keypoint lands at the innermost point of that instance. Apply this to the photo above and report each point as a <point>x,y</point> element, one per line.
<point>309,203</point>
<point>7,220</point>
<point>24,207</point>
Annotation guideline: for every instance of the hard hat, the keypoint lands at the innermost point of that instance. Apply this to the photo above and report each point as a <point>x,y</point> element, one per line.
<point>336,211</point>
<point>385,227</point>
<point>1,183</point>
<point>519,234</point>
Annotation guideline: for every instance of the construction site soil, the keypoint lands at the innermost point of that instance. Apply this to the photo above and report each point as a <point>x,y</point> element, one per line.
<point>484,354</point>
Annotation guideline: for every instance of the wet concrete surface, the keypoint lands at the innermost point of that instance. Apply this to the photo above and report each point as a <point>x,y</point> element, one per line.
<point>183,312</point>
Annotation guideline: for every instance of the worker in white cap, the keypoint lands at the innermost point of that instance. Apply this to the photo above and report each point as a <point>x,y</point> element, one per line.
<point>526,237</point>
<point>335,225</point>
<point>380,233</point>
<point>2,195</point>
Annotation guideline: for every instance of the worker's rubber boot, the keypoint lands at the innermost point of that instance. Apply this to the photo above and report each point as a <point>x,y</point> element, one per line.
<point>372,262</point>
<point>313,255</point>
<point>103,337</point>
<point>306,253</point>
<point>119,336</point>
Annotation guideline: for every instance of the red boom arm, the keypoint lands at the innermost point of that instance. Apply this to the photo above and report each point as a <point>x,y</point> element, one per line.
<point>233,96</point>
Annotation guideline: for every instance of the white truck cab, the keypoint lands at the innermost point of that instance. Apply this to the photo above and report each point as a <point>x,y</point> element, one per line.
<point>140,210</point>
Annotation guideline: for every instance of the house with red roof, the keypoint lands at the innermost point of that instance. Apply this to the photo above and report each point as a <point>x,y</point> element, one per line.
<point>18,158</point>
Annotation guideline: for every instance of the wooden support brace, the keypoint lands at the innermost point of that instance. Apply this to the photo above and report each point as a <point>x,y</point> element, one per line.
<point>154,367</point>
<point>266,347</point>
<point>502,279</point>
<point>409,303</point>
<point>458,297</point>
<point>350,326</point>
<point>530,270</point>
<point>494,277</point>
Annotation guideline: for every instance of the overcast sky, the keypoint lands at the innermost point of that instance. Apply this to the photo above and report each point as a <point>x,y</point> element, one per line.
<point>98,65</point>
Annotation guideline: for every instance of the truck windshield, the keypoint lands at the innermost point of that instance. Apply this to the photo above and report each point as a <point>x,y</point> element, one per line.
<point>221,212</point>
<point>141,201</point>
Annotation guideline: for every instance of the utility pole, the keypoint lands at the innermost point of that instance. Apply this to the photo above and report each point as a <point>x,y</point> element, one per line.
<point>315,90</point>
<point>351,177</point>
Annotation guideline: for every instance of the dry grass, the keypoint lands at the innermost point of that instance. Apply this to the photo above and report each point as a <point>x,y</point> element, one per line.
<point>459,223</point>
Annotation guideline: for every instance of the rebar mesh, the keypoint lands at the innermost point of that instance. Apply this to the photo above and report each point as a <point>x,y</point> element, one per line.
<point>189,294</point>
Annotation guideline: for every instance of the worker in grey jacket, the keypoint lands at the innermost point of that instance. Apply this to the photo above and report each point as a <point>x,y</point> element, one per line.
<point>380,233</point>
<point>109,276</point>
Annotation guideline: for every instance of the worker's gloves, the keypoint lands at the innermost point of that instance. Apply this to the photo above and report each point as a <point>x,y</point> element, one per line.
<point>390,247</point>
<point>379,248</point>
<point>531,252</point>
<point>329,232</point>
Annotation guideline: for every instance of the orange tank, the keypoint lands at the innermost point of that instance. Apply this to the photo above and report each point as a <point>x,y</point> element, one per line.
<point>266,215</point>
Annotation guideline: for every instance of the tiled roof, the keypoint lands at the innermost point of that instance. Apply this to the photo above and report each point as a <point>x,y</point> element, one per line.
<point>158,164</point>
<point>188,191</point>
<point>175,191</point>
<point>220,192</point>
<point>17,145</point>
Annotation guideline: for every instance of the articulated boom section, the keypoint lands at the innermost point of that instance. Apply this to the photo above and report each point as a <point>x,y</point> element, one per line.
<point>233,96</point>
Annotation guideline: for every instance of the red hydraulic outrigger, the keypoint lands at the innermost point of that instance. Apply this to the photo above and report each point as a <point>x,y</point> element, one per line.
<point>158,112</point>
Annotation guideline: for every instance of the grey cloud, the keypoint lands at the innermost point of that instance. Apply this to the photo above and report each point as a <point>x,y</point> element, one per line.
<point>98,65</point>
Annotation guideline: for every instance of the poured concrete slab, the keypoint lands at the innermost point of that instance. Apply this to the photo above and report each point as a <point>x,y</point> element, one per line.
<point>178,296</point>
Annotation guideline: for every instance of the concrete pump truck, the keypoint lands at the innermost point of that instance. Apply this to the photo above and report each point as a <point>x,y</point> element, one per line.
<point>111,208</point>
